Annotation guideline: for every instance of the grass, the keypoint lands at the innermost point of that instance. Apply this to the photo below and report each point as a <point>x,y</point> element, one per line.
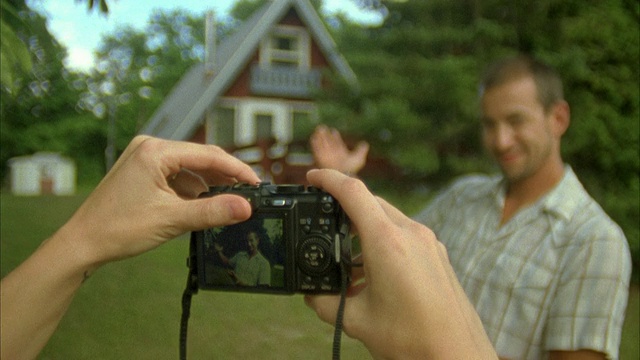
<point>131,309</point>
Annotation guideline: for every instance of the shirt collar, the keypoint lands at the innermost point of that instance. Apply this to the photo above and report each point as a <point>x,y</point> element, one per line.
<point>561,201</point>
<point>565,198</point>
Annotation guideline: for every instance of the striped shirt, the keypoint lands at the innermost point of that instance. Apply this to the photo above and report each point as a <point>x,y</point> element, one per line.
<point>554,277</point>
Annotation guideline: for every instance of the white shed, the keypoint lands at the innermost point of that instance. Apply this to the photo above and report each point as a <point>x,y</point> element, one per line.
<point>42,173</point>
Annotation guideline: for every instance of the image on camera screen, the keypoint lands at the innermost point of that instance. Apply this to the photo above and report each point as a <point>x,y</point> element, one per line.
<point>250,254</point>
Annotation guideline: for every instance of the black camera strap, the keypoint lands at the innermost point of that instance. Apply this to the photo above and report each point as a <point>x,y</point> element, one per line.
<point>184,322</point>
<point>337,334</point>
<point>189,291</point>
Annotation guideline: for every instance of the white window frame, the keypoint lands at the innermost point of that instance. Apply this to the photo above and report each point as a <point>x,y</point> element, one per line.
<point>300,55</point>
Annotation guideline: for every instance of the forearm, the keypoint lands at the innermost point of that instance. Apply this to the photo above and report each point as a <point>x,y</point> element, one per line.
<point>457,334</point>
<point>223,258</point>
<point>36,295</point>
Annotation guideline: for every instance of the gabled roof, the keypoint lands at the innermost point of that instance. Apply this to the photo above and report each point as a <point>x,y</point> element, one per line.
<point>183,109</point>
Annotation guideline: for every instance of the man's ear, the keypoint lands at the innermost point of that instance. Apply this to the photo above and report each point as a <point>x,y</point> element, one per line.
<point>560,118</point>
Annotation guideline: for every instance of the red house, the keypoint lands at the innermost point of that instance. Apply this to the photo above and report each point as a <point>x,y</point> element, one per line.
<point>254,94</point>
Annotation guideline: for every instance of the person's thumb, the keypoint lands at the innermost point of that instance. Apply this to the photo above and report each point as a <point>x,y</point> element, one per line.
<point>220,210</point>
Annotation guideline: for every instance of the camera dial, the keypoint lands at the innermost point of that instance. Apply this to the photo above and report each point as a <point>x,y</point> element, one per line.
<point>314,255</point>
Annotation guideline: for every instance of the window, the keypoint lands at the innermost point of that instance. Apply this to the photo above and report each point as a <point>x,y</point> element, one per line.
<point>285,43</point>
<point>288,46</point>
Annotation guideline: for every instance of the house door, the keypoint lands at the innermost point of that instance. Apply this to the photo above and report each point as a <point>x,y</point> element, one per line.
<point>263,120</point>
<point>264,127</point>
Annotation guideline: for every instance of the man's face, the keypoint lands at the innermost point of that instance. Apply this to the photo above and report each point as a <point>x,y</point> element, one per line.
<point>252,241</point>
<point>515,129</point>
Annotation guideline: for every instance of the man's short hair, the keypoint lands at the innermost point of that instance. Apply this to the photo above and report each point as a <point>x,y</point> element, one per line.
<point>547,80</point>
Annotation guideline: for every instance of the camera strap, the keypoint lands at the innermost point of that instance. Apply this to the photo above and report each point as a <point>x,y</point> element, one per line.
<point>189,291</point>
<point>337,334</point>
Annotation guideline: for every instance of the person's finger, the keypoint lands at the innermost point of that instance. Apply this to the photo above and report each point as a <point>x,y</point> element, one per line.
<point>325,306</point>
<point>362,149</point>
<point>220,210</point>
<point>196,157</point>
<point>395,215</point>
<point>335,135</point>
<point>378,233</point>
<point>320,139</point>
<point>215,178</point>
<point>361,206</point>
<point>318,134</point>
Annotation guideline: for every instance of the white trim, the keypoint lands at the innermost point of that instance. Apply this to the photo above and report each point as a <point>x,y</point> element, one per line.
<point>245,131</point>
<point>301,55</point>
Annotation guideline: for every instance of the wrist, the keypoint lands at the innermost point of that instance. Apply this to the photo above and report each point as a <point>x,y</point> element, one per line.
<point>73,247</point>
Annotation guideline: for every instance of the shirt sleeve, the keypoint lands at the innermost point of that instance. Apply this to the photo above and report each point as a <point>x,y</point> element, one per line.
<point>432,214</point>
<point>589,307</point>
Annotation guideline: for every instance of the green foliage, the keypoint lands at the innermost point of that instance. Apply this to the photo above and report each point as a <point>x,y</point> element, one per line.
<point>136,69</point>
<point>14,55</point>
<point>39,113</point>
<point>418,72</point>
<point>243,9</point>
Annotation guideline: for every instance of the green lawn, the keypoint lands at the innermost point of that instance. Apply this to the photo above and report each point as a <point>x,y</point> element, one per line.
<point>131,309</point>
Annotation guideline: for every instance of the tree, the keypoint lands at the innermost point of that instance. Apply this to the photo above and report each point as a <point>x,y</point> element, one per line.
<point>419,69</point>
<point>136,69</point>
<point>417,73</point>
<point>14,55</point>
<point>39,113</point>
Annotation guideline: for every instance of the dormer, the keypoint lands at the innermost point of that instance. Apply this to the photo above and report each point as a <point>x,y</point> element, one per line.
<point>285,65</point>
<point>286,46</point>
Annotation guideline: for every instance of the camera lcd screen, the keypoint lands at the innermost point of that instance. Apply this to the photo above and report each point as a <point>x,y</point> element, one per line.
<point>245,256</point>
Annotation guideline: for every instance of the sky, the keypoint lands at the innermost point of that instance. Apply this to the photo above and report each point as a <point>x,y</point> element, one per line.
<point>80,31</point>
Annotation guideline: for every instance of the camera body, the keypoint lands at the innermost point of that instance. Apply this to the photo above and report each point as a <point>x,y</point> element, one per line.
<point>296,241</point>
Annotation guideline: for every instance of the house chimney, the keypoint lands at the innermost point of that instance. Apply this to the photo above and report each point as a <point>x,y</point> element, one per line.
<point>210,44</point>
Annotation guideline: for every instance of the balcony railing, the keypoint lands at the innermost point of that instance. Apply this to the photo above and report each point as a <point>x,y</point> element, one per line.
<point>284,81</point>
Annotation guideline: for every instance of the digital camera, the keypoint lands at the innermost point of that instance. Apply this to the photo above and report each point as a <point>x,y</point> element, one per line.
<point>296,241</point>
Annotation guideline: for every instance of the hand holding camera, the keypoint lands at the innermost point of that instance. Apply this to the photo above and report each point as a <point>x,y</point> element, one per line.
<point>405,302</point>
